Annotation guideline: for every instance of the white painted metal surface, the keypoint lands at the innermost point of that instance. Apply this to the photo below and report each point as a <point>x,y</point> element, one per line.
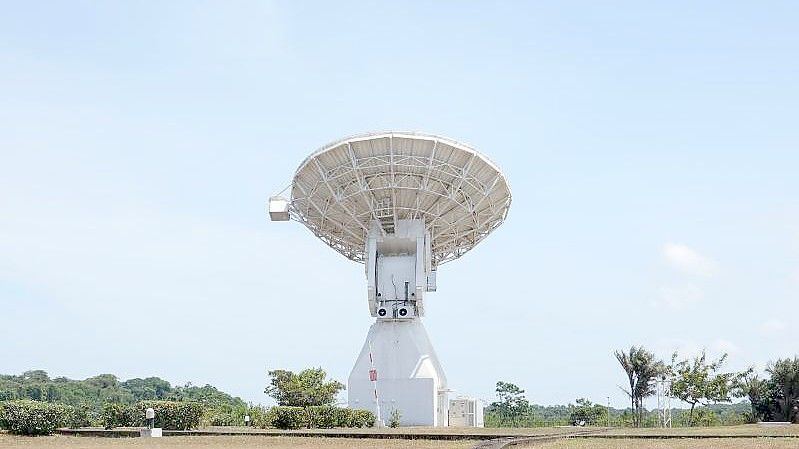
<point>279,209</point>
<point>386,177</point>
<point>401,204</point>
<point>409,376</point>
<point>466,412</point>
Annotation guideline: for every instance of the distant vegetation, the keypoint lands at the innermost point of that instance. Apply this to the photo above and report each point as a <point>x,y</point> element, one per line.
<point>699,382</point>
<point>33,403</point>
<point>86,399</point>
<point>92,393</point>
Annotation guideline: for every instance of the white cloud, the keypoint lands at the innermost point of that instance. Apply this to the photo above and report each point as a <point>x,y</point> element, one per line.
<point>678,298</point>
<point>722,346</point>
<point>688,260</point>
<point>795,275</point>
<point>774,325</point>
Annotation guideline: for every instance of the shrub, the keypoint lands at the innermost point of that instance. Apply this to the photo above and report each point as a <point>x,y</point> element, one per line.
<point>170,415</point>
<point>284,417</point>
<point>344,417</point>
<point>81,415</point>
<point>703,417</point>
<point>224,418</point>
<point>117,415</point>
<point>363,418</point>
<point>394,418</point>
<point>257,415</point>
<point>33,417</point>
<point>322,417</point>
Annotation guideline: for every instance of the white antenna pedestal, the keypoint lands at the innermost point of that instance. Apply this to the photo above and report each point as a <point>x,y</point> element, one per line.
<point>409,376</point>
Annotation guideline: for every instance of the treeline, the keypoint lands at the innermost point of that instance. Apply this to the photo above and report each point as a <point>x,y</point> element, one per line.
<point>701,392</point>
<point>587,413</point>
<point>700,381</point>
<point>90,395</point>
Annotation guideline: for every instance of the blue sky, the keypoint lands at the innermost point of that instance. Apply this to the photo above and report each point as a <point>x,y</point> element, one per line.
<point>652,150</point>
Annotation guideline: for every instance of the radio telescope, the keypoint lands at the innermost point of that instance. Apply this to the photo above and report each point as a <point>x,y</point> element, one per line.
<point>402,204</point>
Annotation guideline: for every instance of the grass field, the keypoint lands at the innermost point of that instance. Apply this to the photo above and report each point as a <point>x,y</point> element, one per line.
<point>707,443</point>
<point>233,442</point>
<point>420,430</point>
<point>755,437</point>
<point>748,429</point>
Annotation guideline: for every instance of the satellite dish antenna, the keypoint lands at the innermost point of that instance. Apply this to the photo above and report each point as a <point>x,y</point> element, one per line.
<point>402,204</point>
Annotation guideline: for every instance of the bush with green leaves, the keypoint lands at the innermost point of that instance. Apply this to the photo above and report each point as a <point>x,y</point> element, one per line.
<point>322,417</point>
<point>394,418</point>
<point>171,415</point>
<point>285,417</point>
<point>117,415</point>
<point>223,418</point>
<point>27,417</point>
<point>81,415</point>
<point>363,418</point>
<point>343,417</point>
<point>701,417</point>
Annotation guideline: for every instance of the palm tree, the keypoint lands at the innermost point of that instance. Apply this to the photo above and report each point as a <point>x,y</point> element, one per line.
<point>641,368</point>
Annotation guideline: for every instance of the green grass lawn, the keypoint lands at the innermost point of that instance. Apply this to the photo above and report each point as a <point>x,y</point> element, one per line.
<point>688,443</point>
<point>748,429</point>
<point>232,442</point>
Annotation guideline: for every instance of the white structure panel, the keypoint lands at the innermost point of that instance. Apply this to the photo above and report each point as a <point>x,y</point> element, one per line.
<point>402,269</point>
<point>409,376</point>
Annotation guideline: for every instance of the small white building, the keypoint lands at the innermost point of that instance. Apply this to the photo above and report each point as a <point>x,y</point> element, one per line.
<point>465,412</point>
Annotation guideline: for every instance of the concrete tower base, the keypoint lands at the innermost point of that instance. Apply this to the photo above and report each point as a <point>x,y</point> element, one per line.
<point>409,375</point>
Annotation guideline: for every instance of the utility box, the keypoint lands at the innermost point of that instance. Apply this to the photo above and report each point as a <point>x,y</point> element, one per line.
<point>155,432</point>
<point>465,412</point>
<point>278,208</point>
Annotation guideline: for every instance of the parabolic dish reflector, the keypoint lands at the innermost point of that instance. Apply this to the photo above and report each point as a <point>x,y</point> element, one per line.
<point>342,188</point>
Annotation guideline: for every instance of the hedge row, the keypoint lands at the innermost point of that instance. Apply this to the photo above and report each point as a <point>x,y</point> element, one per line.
<point>169,415</point>
<point>321,417</point>
<point>27,417</point>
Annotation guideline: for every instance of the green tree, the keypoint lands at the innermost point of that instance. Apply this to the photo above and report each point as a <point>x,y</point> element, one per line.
<point>697,381</point>
<point>641,368</point>
<point>151,388</point>
<point>749,385</point>
<point>304,389</point>
<point>37,376</point>
<point>207,395</point>
<point>785,378</point>
<point>511,404</point>
<point>586,412</point>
